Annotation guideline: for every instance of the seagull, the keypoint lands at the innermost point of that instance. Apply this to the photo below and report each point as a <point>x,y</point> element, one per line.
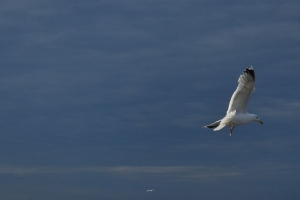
<point>152,190</point>
<point>237,110</point>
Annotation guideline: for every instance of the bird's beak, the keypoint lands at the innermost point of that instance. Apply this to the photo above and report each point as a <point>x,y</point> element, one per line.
<point>261,122</point>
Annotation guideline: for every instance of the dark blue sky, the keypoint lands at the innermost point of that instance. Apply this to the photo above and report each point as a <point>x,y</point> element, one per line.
<point>106,99</point>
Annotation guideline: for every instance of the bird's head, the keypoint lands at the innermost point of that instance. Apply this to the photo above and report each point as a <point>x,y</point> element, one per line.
<point>256,118</point>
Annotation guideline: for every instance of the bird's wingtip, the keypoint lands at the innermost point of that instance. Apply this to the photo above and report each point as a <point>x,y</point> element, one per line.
<point>249,70</point>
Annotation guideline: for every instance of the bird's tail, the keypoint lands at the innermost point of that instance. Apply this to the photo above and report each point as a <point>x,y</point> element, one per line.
<point>219,127</point>
<point>213,125</point>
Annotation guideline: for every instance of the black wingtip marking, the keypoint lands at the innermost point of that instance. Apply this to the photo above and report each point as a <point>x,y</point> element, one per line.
<point>249,70</point>
<point>212,126</point>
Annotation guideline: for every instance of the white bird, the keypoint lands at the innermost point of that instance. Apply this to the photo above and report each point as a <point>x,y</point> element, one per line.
<point>237,109</point>
<point>151,190</point>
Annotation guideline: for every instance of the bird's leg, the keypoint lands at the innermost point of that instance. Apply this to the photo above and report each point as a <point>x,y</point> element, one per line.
<point>231,129</point>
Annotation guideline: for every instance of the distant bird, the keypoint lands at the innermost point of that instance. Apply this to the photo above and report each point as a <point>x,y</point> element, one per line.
<point>151,190</point>
<point>237,109</point>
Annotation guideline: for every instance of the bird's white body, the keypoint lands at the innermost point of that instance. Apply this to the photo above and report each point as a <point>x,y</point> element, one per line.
<point>235,119</point>
<point>241,118</point>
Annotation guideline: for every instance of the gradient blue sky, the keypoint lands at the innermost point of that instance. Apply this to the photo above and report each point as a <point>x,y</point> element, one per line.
<point>106,99</point>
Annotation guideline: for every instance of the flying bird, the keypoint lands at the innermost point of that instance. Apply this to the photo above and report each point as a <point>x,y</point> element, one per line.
<point>237,110</point>
<point>151,190</point>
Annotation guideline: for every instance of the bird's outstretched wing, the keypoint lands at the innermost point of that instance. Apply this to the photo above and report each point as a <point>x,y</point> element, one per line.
<point>241,95</point>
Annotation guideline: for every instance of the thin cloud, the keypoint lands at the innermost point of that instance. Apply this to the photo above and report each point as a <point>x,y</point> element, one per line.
<point>280,109</point>
<point>176,171</point>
